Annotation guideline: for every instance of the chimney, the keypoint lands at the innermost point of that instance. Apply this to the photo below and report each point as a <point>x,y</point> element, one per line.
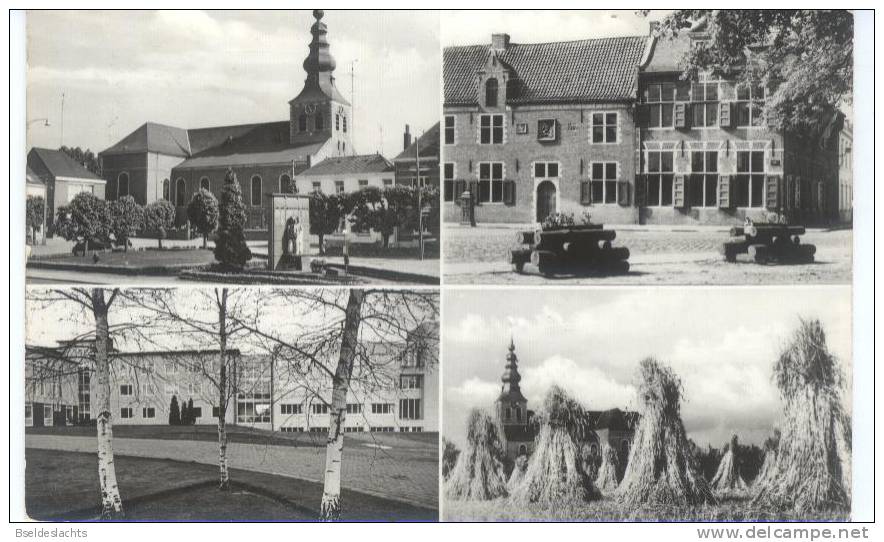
<point>406,138</point>
<point>653,28</point>
<point>500,41</point>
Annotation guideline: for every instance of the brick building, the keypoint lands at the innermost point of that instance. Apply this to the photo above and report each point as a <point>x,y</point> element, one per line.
<point>165,162</point>
<point>608,127</point>
<point>406,161</point>
<point>401,396</point>
<point>706,154</point>
<point>62,178</point>
<point>532,129</point>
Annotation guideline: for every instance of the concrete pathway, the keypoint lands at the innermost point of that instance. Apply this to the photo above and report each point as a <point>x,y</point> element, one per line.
<point>395,474</point>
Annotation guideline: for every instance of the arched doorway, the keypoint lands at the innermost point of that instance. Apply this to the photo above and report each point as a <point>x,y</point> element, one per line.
<point>546,200</point>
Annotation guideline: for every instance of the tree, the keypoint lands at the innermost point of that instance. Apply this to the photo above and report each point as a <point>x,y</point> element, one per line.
<point>203,213</point>
<point>34,217</point>
<point>401,322</point>
<point>94,346</point>
<point>803,56</point>
<point>230,244</point>
<point>382,210</point>
<point>174,412</point>
<point>127,218</point>
<point>191,419</point>
<point>159,218</point>
<point>87,218</point>
<point>325,216</point>
<point>86,158</point>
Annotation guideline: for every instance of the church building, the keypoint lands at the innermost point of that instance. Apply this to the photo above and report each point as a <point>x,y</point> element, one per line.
<point>157,162</point>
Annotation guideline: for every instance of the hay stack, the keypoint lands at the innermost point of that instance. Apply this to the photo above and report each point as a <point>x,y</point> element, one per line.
<point>727,480</point>
<point>661,469</point>
<point>771,445</point>
<point>812,466</point>
<point>519,468</point>
<point>555,472</point>
<point>606,481</point>
<point>478,474</point>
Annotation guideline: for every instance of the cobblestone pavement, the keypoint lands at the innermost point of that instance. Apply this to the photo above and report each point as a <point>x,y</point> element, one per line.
<point>657,256</point>
<point>398,470</point>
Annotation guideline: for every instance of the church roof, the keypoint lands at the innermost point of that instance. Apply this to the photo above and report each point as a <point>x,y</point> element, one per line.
<point>592,70</point>
<point>153,137</point>
<point>59,164</point>
<point>243,157</point>
<point>344,165</point>
<point>428,143</point>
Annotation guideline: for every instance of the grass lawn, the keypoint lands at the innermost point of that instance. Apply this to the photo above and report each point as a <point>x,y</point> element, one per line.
<point>136,258</point>
<point>235,433</point>
<point>734,509</point>
<point>64,485</point>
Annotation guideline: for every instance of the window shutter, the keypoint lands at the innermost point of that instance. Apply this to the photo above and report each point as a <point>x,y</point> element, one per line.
<point>679,199</point>
<point>724,191</point>
<point>509,192</point>
<point>724,114</point>
<point>623,193</point>
<point>585,193</point>
<point>772,192</point>
<point>640,190</point>
<point>681,115</point>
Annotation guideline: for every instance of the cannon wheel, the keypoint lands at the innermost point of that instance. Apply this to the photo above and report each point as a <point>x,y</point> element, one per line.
<point>519,267</point>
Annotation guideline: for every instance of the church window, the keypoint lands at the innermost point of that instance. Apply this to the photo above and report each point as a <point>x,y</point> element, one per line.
<point>180,192</point>
<point>491,90</point>
<point>518,414</point>
<point>166,190</point>
<point>344,120</point>
<point>302,123</point>
<point>204,183</point>
<point>337,122</point>
<point>285,184</point>
<point>122,185</point>
<point>256,191</point>
<point>508,413</point>
<point>523,450</point>
<point>318,122</point>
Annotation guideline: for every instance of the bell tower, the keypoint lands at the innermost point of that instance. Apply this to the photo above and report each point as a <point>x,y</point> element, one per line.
<point>320,113</point>
<point>512,407</point>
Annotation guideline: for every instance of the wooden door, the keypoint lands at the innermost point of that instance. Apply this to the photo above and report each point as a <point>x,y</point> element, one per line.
<point>546,200</point>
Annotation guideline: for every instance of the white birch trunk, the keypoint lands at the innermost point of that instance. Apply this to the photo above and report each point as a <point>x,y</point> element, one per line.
<point>330,509</point>
<point>111,504</point>
<point>224,484</point>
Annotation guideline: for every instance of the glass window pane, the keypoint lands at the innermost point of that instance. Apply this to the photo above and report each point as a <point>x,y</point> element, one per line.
<point>668,92</point>
<point>666,161</point>
<point>449,122</point>
<point>653,162</point>
<point>449,171</point>
<point>757,190</point>
<point>610,191</point>
<point>757,161</point>
<point>654,93</point>
<point>666,115</point>
<point>666,191</point>
<point>742,161</point>
<point>597,118</point>
<point>598,134</point>
<point>654,116</point>
<point>697,93</point>
<point>712,92</point>
<point>540,169</point>
<point>697,161</point>
<point>597,170</point>
<point>611,119</point>
<point>611,134</point>
<point>497,191</point>
<point>552,169</point>
<point>498,120</point>
<point>695,190</point>
<point>711,190</point>
<point>484,170</point>
<point>611,170</point>
<point>742,92</point>
<point>711,114</point>
<point>497,170</point>
<point>485,120</point>
<point>597,191</point>
<point>653,190</point>
<point>712,161</point>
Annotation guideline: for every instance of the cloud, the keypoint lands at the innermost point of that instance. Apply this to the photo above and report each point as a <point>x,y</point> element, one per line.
<point>474,392</point>
<point>592,387</point>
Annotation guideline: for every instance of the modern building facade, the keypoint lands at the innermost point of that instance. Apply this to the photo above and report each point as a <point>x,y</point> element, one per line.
<point>165,162</point>
<point>266,391</point>
<point>607,128</point>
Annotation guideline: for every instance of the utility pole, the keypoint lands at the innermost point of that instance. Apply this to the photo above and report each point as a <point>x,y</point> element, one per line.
<point>61,143</point>
<point>352,99</point>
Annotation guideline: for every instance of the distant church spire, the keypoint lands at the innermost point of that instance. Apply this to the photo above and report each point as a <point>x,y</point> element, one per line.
<point>511,376</point>
<point>320,59</point>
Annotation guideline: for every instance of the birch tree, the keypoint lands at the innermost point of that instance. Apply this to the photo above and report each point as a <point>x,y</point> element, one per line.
<point>336,338</point>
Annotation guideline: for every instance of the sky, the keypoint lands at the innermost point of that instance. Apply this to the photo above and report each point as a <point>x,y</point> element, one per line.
<point>475,27</point>
<point>191,69</point>
<point>722,342</point>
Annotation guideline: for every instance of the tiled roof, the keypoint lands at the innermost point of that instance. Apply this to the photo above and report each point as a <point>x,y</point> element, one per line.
<point>666,53</point>
<point>245,157</point>
<point>58,164</point>
<point>428,142</point>
<point>33,178</point>
<point>343,165</point>
<point>153,137</point>
<point>593,70</point>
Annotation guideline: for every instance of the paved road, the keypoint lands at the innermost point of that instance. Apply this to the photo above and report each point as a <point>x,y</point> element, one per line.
<point>407,473</point>
<point>658,256</point>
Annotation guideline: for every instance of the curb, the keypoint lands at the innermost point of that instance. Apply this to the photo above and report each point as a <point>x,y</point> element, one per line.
<point>385,274</point>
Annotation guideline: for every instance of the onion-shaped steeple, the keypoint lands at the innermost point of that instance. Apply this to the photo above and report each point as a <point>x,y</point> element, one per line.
<point>319,59</point>
<point>510,389</point>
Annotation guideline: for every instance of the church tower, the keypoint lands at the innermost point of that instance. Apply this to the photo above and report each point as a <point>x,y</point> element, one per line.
<point>512,407</point>
<point>320,113</point>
